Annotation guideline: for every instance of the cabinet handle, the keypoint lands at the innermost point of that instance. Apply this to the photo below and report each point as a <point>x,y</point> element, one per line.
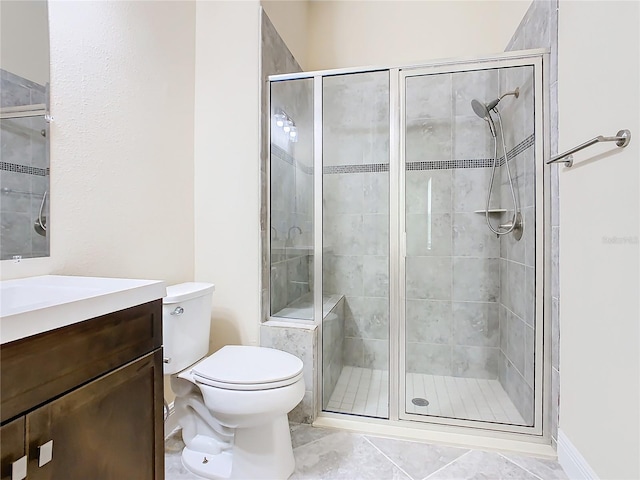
<point>19,469</point>
<point>45,453</point>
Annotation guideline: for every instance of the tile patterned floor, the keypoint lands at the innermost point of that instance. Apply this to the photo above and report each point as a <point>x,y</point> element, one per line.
<point>336,455</point>
<point>363,391</point>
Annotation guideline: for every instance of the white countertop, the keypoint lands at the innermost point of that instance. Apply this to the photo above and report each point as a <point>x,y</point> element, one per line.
<point>29,306</point>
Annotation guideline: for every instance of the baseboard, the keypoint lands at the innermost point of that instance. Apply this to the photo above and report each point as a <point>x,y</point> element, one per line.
<point>572,461</point>
<point>171,423</point>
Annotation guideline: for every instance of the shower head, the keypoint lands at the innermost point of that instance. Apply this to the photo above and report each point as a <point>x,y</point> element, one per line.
<point>482,111</point>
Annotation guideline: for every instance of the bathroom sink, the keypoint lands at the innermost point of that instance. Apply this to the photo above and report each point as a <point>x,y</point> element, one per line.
<point>34,305</point>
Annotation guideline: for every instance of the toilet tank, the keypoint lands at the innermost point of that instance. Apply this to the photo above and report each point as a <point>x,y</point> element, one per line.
<point>186,322</point>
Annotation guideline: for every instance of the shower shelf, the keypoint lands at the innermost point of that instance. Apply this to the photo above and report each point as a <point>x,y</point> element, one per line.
<point>492,211</point>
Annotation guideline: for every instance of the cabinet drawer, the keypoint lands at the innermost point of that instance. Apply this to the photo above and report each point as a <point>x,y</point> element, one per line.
<point>39,368</point>
<point>12,446</point>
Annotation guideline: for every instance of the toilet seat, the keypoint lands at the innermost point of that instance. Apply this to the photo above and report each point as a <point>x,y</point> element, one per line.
<point>236,367</point>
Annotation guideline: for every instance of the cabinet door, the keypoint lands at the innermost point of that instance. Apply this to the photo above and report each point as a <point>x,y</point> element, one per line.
<point>11,446</point>
<point>109,429</point>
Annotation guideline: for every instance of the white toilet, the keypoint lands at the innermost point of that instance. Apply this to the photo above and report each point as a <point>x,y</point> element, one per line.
<point>232,406</point>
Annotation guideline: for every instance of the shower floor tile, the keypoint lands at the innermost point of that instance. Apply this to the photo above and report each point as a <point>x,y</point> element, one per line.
<point>361,391</point>
<point>456,397</point>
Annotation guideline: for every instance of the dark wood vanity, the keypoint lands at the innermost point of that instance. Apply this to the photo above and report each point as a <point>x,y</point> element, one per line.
<point>85,401</point>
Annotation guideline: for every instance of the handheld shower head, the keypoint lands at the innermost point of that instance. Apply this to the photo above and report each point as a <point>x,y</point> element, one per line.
<point>482,111</point>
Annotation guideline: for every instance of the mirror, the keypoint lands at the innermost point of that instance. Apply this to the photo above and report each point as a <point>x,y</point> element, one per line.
<point>24,129</point>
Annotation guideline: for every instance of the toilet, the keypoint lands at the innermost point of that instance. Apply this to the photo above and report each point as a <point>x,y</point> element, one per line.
<point>232,405</point>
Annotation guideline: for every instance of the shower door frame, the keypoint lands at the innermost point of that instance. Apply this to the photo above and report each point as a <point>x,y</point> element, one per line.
<point>540,432</point>
<point>542,311</point>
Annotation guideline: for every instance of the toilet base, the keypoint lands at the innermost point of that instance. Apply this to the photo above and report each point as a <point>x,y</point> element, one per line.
<point>262,452</point>
<point>216,467</point>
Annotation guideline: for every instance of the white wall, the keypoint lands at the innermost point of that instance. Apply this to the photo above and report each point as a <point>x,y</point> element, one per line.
<point>353,33</point>
<point>598,94</point>
<point>121,141</point>
<point>227,166</point>
<point>291,20</point>
<point>24,39</point>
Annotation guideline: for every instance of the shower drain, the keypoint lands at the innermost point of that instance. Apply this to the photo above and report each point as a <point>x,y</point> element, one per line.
<point>420,402</point>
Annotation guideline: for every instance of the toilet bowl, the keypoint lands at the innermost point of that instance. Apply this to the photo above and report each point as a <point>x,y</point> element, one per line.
<point>233,404</point>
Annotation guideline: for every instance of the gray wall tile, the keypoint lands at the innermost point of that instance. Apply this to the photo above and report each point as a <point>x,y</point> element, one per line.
<point>476,324</point>
<point>428,235</point>
<point>428,321</point>
<point>375,274</point>
<point>426,188</point>
<point>476,279</point>
<point>475,362</point>
<point>472,237</point>
<point>429,278</point>
<point>428,358</point>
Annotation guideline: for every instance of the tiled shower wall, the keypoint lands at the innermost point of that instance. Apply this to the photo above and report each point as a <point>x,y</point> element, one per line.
<point>332,349</point>
<point>356,211</point>
<point>291,195</point>
<point>300,340</point>
<point>452,265</point>
<point>24,170</point>
<point>539,29</point>
<point>275,58</point>
<point>517,257</point>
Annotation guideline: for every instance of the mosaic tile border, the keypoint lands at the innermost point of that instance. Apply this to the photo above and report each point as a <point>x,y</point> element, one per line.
<point>366,168</point>
<point>519,148</point>
<point>450,164</point>
<point>411,166</point>
<point>434,164</point>
<point>17,168</point>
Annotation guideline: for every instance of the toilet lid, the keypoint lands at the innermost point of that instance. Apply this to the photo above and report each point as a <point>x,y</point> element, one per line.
<point>238,367</point>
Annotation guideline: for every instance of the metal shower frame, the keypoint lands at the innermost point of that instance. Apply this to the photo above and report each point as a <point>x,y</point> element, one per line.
<point>400,421</point>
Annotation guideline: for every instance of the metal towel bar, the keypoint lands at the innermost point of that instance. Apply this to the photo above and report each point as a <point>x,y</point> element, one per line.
<point>21,111</point>
<point>622,139</point>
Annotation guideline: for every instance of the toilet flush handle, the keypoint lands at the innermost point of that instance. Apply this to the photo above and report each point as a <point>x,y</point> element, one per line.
<point>178,311</point>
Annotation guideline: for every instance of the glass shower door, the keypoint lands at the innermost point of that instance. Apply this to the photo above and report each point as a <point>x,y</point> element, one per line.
<point>469,309</point>
<point>355,270</point>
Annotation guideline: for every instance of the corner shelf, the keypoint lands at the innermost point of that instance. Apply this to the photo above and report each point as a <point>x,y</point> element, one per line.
<point>494,211</point>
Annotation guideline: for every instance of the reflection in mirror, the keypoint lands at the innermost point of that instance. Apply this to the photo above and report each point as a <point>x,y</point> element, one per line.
<point>24,129</point>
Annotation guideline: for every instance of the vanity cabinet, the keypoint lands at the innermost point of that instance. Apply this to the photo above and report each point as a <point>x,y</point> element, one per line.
<point>86,401</point>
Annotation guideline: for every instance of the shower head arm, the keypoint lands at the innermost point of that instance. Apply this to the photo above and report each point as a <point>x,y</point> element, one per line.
<point>491,105</point>
<point>515,93</point>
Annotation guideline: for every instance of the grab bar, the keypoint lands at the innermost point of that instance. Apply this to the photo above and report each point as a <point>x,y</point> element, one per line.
<point>622,139</point>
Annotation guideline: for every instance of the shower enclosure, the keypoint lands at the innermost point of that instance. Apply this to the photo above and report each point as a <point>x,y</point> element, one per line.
<point>407,221</point>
